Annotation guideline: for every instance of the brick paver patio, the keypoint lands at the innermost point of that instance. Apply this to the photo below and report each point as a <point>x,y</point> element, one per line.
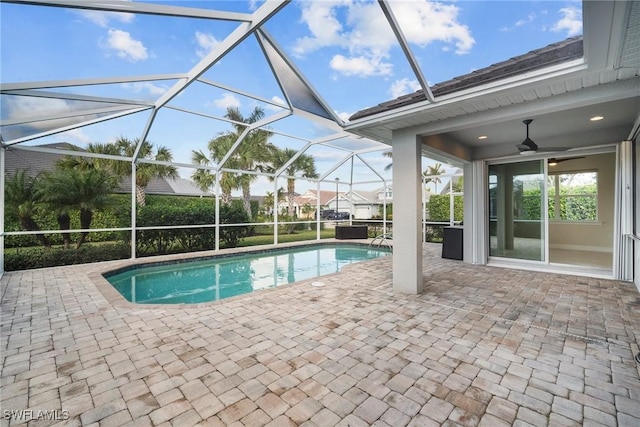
<point>480,346</point>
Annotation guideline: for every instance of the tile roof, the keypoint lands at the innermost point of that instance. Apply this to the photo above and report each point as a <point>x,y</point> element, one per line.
<point>310,197</point>
<point>556,53</point>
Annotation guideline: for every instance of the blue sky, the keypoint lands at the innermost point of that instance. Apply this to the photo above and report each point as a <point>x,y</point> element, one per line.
<point>344,48</point>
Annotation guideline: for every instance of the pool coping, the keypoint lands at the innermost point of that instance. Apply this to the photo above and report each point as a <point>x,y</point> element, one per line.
<point>117,300</point>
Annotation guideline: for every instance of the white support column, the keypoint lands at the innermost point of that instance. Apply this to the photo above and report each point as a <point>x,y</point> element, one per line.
<point>476,213</point>
<point>275,210</point>
<point>384,206</point>
<point>217,219</point>
<point>407,203</point>
<point>134,211</point>
<point>3,208</point>
<point>318,210</point>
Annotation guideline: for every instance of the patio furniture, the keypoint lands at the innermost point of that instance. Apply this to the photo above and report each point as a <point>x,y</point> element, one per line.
<point>452,242</point>
<point>351,232</point>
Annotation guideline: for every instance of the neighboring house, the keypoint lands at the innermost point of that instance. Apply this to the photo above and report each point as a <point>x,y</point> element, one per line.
<point>384,194</point>
<point>305,204</point>
<point>36,162</point>
<point>361,204</point>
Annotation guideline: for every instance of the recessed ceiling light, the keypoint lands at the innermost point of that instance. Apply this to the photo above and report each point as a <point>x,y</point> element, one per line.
<point>483,137</point>
<point>596,118</point>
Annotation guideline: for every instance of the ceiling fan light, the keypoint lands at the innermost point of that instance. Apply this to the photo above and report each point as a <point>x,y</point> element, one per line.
<point>553,162</point>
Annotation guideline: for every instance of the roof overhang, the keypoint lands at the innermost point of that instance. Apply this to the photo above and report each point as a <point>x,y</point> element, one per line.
<point>605,79</point>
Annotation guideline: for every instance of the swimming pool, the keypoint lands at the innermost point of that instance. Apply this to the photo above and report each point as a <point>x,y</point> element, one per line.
<point>215,278</point>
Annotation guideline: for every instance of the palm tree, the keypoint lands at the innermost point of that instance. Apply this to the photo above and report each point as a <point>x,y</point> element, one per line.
<point>22,200</point>
<point>76,162</point>
<point>431,175</point>
<point>268,200</point>
<point>205,180</point>
<point>304,163</point>
<point>252,154</point>
<point>145,172</point>
<point>388,154</point>
<point>67,190</point>
<point>458,185</point>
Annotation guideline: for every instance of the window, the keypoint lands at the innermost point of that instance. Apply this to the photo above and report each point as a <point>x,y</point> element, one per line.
<point>573,196</point>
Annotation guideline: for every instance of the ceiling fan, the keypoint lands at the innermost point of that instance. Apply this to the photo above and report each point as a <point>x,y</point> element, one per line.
<point>554,161</point>
<point>529,147</point>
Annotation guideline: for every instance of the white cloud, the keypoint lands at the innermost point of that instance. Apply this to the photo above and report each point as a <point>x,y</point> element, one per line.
<point>344,116</point>
<point>104,19</point>
<point>206,43</point>
<point>528,20</point>
<point>330,155</point>
<point>227,100</point>
<point>149,87</point>
<point>74,136</point>
<point>571,21</point>
<point>23,108</point>
<point>254,5</point>
<point>426,22</point>
<point>325,28</point>
<point>277,100</point>
<point>125,46</point>
<point>362,32</point>
<point>403,87</point>
<point>360,66</point>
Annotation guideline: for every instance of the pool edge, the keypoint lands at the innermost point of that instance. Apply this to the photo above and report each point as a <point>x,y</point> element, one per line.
<point>117,300</point>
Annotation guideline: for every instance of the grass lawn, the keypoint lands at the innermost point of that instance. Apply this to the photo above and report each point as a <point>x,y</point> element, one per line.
<point>298,236</point>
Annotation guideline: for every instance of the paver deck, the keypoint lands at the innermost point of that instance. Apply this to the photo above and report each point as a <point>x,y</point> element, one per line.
<point>480,346</point>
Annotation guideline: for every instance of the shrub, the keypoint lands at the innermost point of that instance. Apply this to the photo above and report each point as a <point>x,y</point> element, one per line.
<point>193,211</point>
<point>159,211</point>
<point>39,257</point>
<point>233,214</point>
<point>116,215</point>
<point>438,206</point>
<point>434,233</point>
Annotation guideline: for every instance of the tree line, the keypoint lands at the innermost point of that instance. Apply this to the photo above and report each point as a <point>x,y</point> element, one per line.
<point>81,184</point>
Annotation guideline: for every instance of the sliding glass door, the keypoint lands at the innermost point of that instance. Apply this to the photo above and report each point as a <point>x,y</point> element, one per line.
<point>517,216</point>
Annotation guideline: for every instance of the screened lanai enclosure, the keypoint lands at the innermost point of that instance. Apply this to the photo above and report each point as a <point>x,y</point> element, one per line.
<point>137,128</point>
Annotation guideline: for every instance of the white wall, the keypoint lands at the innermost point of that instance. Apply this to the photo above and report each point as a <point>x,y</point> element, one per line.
<point>595,237</point>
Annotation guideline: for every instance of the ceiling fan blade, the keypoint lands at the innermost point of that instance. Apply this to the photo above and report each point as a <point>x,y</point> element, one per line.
<point>547,149</point>
<point>527,145</point>
<point>565,159</point>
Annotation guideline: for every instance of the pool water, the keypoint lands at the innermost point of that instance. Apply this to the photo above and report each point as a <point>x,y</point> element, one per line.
<point>212,279</point>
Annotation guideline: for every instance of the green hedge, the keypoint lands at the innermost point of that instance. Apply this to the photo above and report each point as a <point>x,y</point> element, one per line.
<point>159,211</point>
<point>194,211</point>
<point>438,207</point>
<point>39,257</point>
